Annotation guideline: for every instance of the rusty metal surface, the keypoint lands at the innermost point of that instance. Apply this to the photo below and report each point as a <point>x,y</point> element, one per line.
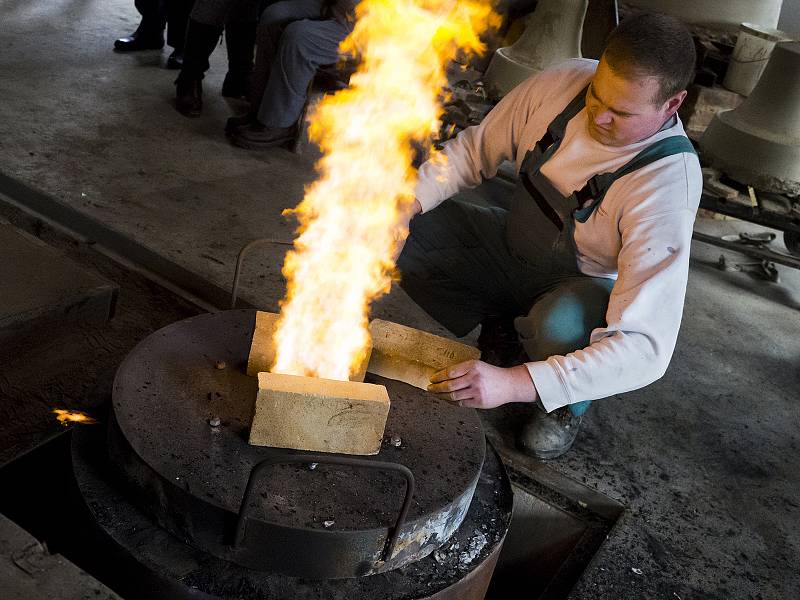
<point>191,476</point>
<point>168,567</point>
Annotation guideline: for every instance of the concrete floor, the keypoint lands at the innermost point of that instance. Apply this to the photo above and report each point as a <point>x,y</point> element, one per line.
<point>705,459</point>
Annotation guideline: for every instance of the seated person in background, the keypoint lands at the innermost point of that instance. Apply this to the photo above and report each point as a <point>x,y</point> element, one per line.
<point>239,18</point>
<point>156,15</point>
<point>294,39</point>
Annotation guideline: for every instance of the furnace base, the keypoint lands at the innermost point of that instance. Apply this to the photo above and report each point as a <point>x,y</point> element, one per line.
<point>178,436</point>
<point>158,565</point>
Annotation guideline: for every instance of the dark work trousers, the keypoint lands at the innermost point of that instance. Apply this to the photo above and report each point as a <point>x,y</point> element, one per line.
<point>158,14</point>
<point>206,22</point>
<point>220,12</point>
<point>177,21</point>
<point>457,265</point>
<point>153,17</point>
<point>292,42</point>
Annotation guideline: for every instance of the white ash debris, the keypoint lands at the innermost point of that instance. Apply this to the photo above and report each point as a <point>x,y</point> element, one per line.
<point>476,544</point>
<point>454,556</point>
<point>441,555</point>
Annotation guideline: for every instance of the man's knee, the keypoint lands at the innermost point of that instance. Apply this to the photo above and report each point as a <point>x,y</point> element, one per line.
<point>562,320</point>
<point>278,13</point>
<point>312,42</point>
<point>295,36</point>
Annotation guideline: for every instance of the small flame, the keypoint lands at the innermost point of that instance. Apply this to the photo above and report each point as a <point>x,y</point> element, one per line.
<point>65,417</point>
<point>351,219</point>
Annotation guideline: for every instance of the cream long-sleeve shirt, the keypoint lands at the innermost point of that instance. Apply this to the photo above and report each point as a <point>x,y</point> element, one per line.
<point>640,234</point>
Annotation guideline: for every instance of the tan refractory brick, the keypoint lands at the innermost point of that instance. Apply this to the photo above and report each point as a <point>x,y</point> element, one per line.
<point>262,348</point>
<point>412,355</point>
<point>322,415</point>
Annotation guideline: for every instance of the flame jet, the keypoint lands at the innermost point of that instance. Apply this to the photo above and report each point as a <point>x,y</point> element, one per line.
<point>354,215</point>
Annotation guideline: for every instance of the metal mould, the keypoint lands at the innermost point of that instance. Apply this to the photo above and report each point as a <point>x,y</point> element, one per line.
<point>328,522</point>
<point>167,567</point>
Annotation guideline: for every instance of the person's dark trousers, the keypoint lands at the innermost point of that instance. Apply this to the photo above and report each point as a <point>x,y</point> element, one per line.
<point>201,39</point>
<point>156,15</point>
<point>274,19</point>
<point>302,45</point>
<point>240,41</point>
<point>206,23</point>
<point>177,22</point>
<point>200,42</point>
<point>153,18</point>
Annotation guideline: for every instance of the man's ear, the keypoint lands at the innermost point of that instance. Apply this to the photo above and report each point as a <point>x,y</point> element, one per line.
<point>673,104</point>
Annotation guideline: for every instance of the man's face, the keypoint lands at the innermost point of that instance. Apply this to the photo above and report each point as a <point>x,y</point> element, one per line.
<point>622,111</point>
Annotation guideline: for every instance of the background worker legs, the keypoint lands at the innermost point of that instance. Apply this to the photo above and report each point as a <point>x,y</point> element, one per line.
<point>304,46</point>
<point>206,23</point>
<point>289,54</point>
<point>177,20</point>
<point>273,21</point>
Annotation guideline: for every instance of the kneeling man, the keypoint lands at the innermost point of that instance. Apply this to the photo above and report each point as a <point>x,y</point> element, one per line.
<point>589,259</point>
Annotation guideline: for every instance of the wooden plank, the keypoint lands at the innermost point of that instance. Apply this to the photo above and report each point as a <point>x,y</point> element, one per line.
<point>412,355</point>
<point>322,415</point>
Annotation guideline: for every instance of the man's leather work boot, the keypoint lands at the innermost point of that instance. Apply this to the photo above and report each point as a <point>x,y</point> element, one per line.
<point>549,435</point>
<point>189,97</point>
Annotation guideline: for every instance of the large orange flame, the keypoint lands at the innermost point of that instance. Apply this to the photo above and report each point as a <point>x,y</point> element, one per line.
<point>352,218</point>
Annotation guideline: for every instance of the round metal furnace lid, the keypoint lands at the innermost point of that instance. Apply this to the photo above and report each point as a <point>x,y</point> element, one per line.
<point>331,521</point>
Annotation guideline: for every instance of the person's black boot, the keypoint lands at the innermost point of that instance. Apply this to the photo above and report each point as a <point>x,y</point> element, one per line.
<point>148,36</point>
<point>233,124</point>
<point>189,97</point>
<point>175,60</point>
<point>240,40</point>
<point>260,137</point>
<point>549,435</point>
<point>201,39</point>
<point>235,85</point>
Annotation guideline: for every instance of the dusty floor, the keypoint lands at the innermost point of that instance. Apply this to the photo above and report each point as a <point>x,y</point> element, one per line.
<point>706,459</point>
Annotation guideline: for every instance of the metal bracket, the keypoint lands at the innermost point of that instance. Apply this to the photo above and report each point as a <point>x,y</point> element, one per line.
<point>240,259</point>
<point>764,268</point>
<point>755,251</point>
<point>259,468</point>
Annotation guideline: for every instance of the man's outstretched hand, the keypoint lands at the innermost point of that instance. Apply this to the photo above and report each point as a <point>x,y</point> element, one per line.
<point>476,384</point>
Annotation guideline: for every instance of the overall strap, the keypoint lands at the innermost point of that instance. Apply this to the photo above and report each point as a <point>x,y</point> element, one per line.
<point>596,188</point>
<point>557,127</point>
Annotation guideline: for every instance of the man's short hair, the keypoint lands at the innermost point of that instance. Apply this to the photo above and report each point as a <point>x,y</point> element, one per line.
<point>653,45</point>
